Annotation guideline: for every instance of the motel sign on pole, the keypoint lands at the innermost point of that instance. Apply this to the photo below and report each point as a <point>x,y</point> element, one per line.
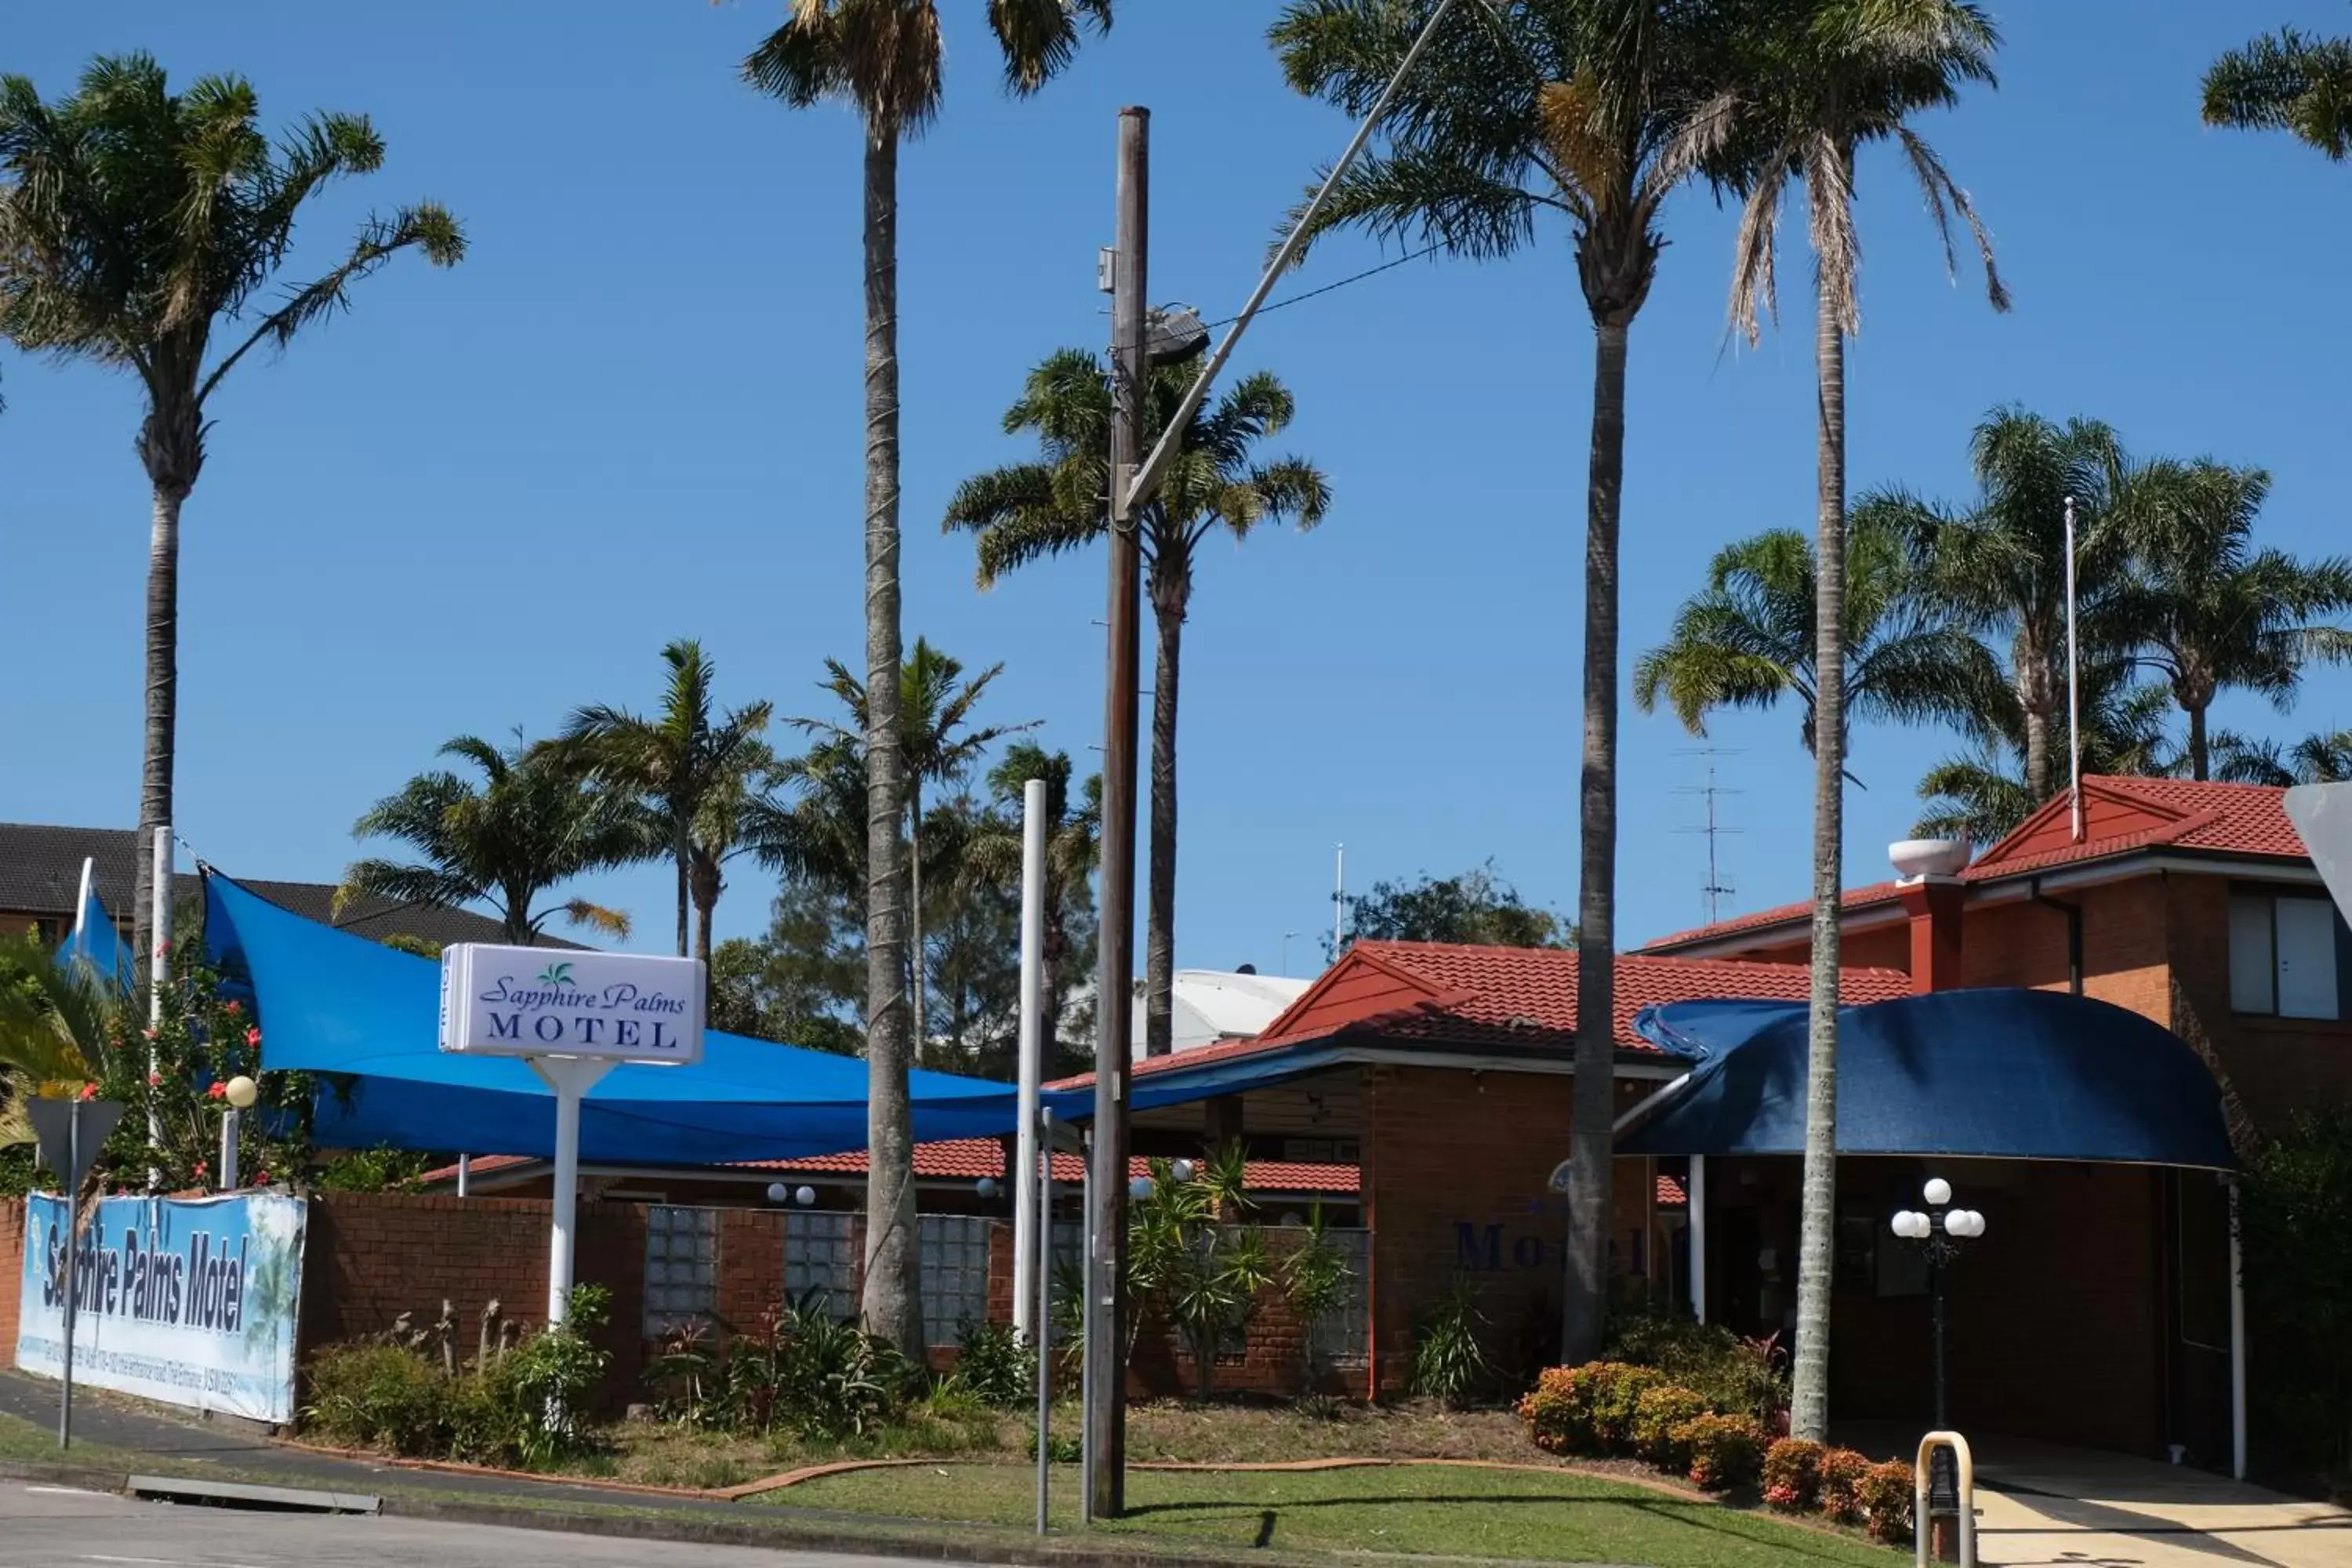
<point>574,1017</point>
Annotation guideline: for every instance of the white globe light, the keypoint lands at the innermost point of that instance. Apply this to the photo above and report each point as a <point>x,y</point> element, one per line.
<point>1938,1192</point>
<point>242,1091</point>
<point>1901,1223</point>
<point>987,1186</point>
<point>778,1191</point>
<point>1182,1170</point>
<point>806,1197</point>
<point>1976,1221</point>
<point>1922,1225</point>
<point>1140,1188</point>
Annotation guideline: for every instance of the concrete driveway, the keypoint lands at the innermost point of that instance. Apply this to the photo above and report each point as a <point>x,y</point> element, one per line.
<point>2041,1504</point>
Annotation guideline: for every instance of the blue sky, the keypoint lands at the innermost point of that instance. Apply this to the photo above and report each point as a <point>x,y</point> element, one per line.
<point>633,414</point>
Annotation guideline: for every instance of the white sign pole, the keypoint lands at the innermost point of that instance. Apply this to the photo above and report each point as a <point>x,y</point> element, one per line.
<point>160,972</point>
<point>571,1078</point>
<point>1032,1049</point>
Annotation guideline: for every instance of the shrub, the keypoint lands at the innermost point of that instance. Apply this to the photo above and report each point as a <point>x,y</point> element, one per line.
<point>802,1371</point>
<point>995,1366</point>
<point>374,1170</point>
<point>1792,1475</point>
<point>1841,1473</point>
<point>1586,1409</point>
<point>1724,1450</point>
<point>1884,1497</point>
<point>378,1396</point>
<point>537,1392</point>
<point>1659,1416</point>
<point>1449,1363</point>
<point>1738,1376</point>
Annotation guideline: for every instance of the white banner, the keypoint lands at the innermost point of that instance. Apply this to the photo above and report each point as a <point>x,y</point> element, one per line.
<point>188,1300</point>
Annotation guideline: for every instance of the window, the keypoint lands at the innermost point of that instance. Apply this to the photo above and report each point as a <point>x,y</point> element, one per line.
<point>955,1274</point>
<point>2283,956</point>
<point>681,1267</point>
<point>1340,1338</point>
<point>817,1259</point>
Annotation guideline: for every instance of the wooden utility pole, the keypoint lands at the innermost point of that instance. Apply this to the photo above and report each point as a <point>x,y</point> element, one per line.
<point>1106,1415</point>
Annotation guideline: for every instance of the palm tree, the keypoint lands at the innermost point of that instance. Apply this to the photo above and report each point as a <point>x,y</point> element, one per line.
<point>58,1023</point>
<point>2286,82</point>
<point>530,825</point>
<point>2207,610</point>
<point>1823,79</point>
<point>1748,640</point>
<point>1028,510</point>
<point>2002,563</point>
<point>133,222</point>
<point>883,58</point>
<point>1984,794</point>
<point>1593,110</point>
<point>695,768</point>
<point>2315,759</point>
<point>934,747</point>
<point>1072,846</point>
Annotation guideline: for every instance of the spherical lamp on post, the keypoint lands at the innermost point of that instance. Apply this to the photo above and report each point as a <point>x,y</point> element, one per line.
<point>1938,1232</point>
<point>240,1093</point>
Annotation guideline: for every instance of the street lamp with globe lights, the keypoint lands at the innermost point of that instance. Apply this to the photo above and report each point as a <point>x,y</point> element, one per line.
<point>240,1093</point>
<point>1938,1233</point>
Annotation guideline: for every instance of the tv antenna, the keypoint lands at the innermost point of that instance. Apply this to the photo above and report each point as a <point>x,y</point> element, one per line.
<point>1716,887</point>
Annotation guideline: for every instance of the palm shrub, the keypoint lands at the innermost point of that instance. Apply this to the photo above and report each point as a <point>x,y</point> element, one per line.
<point>994,1365</point>
<point>1191,1265</point>
<point>1315,1278</point>
<point>1450,1363</point>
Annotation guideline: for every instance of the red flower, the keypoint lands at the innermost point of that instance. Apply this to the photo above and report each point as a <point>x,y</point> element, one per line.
<point>253,1036</point>
<point>147,1034</point>
<point>154,1081</point>
<point>89,1092</point>
<point>233,1009</point>
<point>260,1178</point>
<point>218,1091</point>
<point>201,1170</point>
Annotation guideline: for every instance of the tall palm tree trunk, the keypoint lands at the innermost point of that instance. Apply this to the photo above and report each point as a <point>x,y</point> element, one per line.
<point>1810,1397</point>
<point>162,716</point>
<point>682,851</point>
<point>917,979</point>
<point>892,1302</point>
<point>1160,936</point>
<point>2200,752</point>
<point>1593,1108</point>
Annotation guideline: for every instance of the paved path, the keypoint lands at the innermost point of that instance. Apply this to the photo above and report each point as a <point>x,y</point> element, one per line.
<point>55,1527</point>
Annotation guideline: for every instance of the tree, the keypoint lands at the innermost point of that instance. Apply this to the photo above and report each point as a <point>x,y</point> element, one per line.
<point>935,746</point>
<point>695,768</point>
<point>2001,565</point>
<point>2315,759</point>
<point>799,984</point>
<point>2207,610</point>
<point>1593,110</point>
<point>1072,846</point>
<point>1824,78</point>
<point>1984,794</point>
<point>1476,906</point>
<point>1028,510</point>
<point>1747,640</point>
<point>883,58</point>
<point>134,223</point>
<point>2286,82</point>
<point>530,826</point>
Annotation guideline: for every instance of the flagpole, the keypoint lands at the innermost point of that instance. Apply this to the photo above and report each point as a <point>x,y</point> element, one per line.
<point>2073,689</point>
<point>80,942</point>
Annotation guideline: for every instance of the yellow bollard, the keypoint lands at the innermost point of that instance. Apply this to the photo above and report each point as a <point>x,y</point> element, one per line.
<point>1965,1470</point>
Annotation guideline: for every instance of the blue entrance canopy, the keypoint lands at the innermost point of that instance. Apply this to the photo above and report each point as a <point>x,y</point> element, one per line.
<point>1998,1074</point>
<point>337,1004</point>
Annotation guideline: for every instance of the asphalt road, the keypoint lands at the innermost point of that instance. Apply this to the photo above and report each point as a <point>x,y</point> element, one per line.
<point>56,1526</point>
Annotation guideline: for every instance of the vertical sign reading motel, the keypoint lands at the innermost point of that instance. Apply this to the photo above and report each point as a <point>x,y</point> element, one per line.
<point>189,1300</point>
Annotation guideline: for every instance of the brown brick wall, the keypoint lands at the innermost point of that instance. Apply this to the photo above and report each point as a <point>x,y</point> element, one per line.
<point>11,1270</point>
<point>2273,1067</point>
<point>1455,1167</point>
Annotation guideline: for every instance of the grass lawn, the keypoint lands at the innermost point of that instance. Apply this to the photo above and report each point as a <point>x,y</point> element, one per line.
<point>1430,1509</point>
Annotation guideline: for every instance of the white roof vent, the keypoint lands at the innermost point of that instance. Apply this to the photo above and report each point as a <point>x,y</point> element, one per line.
<point>1916,858</point>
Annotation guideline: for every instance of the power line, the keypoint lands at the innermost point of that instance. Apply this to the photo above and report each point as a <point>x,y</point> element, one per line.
<point>1342,283</point>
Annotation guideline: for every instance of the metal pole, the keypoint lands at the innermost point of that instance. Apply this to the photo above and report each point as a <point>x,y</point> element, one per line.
<point>2237,1341</point>
<point>1114,975</point>
<point>1338,898</point>
<point>1025,1222</point>
<point>1165,451</point>
<point>2073,693</point>
<point>464,1175</point>
<point>571,1078</point>
<point>1697,1197</point>
<point>1086,1339</point>
<point>1040,1290</point>
<point>160,971</point>
<point>231,1119</point>
<point>1936,1292</point>
<point>72,1257</point>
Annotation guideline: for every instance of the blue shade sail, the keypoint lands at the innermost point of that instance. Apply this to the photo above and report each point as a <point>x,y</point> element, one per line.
<point>1994,1074</point>
<point>336,1004</point>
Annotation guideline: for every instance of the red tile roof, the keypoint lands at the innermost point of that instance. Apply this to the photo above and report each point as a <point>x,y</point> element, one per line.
<point>1457,996</point>
<point>969,1159</point>
<point>2120,817</point>
<point>1670,1195</point>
